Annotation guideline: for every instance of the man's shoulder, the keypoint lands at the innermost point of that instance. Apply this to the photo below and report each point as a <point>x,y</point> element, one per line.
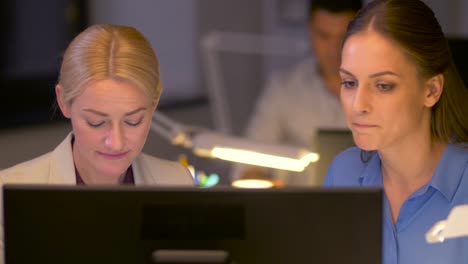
<point>307,67</point>
<point>294,79</point>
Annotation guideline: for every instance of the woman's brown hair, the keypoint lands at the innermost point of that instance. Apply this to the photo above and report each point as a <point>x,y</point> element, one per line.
<point>413,26</point>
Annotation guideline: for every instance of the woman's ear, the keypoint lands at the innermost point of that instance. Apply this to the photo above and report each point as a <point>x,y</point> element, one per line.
<point>434,89</point>
<point>63,106</point>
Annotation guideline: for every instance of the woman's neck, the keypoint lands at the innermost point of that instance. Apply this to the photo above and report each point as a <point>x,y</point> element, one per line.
<point>406,168</point>
<point>89,177</point>
<point>412,166</point>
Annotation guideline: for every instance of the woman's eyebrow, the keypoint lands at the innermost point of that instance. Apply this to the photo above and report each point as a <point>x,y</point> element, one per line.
<point>96,112</point>
<point>377,74</point>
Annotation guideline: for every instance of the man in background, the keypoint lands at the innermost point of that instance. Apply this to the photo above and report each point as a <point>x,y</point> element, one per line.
<point>296,103</point>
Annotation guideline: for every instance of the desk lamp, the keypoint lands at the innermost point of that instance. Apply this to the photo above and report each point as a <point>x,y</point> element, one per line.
<point>217,42</point>
<point>211,144</point>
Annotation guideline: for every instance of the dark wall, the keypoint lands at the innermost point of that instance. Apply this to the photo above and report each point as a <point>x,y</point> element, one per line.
<point>459,49</point>
<point>34,36</point>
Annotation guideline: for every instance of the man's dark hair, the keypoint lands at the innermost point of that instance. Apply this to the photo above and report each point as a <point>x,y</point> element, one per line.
<point>334,6</point>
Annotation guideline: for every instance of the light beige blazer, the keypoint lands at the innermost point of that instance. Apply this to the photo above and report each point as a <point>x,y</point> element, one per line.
<point>57,167</point>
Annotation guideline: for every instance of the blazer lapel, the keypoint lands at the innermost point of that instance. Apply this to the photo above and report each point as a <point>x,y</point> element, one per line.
<point>62,167</point>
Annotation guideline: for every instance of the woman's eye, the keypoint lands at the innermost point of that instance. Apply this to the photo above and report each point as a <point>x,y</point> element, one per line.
<point>130,123</point>
<point>95,124</point>
<point>385,86</point>
<point>348,84</point>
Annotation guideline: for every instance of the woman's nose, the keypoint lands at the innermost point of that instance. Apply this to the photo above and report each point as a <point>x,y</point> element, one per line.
<point>362,100</point>
<point>115,139</point>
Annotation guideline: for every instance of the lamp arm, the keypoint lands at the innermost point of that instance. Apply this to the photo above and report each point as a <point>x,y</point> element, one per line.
<point>173,131</point>
<point>215,42</point>
<point>170,130</point>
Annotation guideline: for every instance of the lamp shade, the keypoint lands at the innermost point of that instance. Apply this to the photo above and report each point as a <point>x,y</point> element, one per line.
<point>211,144</point>
<point>285,157</point>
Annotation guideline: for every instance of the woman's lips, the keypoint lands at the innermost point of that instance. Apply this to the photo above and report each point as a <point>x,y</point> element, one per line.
<point>113,156</point>
<point>363,125</point>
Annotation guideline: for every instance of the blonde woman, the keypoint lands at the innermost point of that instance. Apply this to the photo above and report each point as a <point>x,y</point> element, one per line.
<point>108,87</point>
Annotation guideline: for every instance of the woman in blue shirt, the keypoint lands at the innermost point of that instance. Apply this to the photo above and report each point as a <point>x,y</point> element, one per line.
<point>407,108</point>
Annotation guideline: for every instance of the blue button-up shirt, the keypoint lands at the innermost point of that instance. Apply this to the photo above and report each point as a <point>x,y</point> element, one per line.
<point>404,242</point>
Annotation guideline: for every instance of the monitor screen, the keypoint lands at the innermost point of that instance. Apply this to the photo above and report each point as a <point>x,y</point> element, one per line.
<point>329,143</point>
<point>73,224</point>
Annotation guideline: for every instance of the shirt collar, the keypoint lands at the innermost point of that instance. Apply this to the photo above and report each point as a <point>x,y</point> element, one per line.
<point>449,171</point>
<point>372,176</point>
<point>446,178</point>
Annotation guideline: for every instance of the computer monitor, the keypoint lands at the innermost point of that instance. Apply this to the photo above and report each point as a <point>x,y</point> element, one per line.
<point>329,143</point>
<point>72,224</point>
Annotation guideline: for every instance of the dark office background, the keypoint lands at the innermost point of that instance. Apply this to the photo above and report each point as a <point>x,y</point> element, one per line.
<point>35,33</point>
<point>34,36</point>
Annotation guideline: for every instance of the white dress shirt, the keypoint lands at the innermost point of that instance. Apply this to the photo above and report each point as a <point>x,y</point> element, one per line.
<point>291,108</point>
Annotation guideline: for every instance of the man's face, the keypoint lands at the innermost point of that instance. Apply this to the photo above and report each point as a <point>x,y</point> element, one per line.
<point>327,31</point>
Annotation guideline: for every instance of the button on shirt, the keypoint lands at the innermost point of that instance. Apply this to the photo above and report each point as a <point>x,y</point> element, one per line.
<point>404,242</point>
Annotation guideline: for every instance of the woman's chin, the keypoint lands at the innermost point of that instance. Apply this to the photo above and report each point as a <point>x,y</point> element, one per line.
<point>113,173</point>
<point>366,146</point>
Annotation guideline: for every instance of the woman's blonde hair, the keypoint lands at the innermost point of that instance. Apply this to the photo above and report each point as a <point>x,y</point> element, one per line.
<point>114,52</point>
